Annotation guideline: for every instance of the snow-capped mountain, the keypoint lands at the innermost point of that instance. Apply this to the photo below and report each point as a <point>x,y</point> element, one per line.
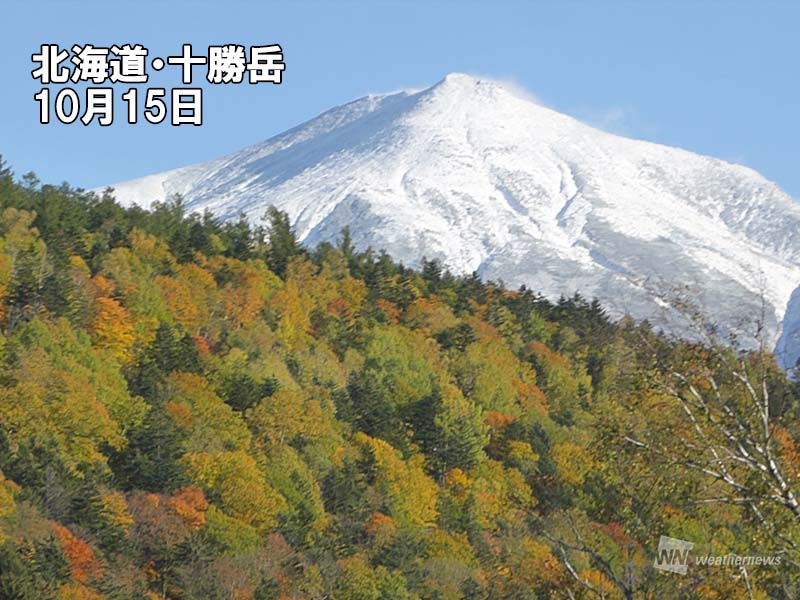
<point>473,173</point>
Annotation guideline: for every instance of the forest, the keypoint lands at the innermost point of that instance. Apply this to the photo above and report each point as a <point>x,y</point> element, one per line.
<point>198,409</point>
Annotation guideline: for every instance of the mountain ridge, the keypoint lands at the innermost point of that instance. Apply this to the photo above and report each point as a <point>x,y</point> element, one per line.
<point>471,172</point>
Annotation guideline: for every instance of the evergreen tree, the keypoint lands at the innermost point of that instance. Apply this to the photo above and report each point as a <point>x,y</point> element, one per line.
<point>283,244</point>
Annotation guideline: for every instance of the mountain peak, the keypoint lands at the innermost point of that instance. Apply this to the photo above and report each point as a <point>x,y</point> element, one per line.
<point>461,84</point>
<point>459,79</point>
<point>472,172</point>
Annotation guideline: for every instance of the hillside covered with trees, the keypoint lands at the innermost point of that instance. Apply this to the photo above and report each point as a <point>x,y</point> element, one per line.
<point>192,409</point>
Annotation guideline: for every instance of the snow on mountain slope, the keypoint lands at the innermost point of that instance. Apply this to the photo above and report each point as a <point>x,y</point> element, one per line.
<point>473,173</point>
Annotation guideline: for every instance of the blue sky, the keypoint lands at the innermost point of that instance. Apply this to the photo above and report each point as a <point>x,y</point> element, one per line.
<point>715,77</point>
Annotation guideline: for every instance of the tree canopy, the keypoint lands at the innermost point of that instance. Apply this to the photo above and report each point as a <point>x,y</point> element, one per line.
<point>192,409</point>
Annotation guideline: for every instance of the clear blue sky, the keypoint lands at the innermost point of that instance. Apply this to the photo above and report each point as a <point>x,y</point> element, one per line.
<point>715,77</point>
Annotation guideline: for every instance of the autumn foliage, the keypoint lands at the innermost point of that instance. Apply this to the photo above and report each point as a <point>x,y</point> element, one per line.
<point>192,409</point>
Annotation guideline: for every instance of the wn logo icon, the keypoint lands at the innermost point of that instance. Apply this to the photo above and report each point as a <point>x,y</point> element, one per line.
<point>673,555</point>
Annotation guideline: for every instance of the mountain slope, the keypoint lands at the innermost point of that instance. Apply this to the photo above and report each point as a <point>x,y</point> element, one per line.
<point>471,172</point>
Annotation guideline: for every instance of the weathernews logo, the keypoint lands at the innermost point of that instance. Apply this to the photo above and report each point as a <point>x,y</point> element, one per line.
<point>674,555</point>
